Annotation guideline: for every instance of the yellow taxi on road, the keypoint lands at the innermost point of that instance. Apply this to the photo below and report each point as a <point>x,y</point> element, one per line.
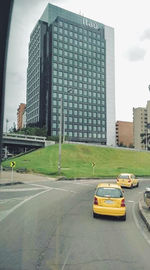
<point>127,180</point>
<point>109,200</point>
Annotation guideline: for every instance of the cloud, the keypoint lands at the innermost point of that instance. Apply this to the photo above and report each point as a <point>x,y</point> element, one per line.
<point>145,35</point>
<point>136,54</point>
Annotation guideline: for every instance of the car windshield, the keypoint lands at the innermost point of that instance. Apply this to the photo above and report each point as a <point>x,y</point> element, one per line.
<point>109,192</point>
<point>124,176</point>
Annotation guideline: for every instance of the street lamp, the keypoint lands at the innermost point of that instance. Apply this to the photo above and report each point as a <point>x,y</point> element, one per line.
<point>7,125</point>
<point>60,130</point>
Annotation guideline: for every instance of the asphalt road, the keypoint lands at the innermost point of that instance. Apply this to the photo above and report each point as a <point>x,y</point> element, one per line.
<point>49,225</point>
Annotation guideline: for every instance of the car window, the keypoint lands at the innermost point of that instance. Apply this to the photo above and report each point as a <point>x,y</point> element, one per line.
<point>109,192</point>
<point>124,176</point>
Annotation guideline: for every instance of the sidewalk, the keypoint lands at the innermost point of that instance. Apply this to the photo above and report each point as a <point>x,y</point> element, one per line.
<point>6,178</point>
<point>145,212</point>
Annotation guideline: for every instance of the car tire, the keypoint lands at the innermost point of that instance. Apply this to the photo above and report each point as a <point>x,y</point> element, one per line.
<point>131,186</point>
<point>95,215</point>
<point>123,218</point>
<point>137,185</point>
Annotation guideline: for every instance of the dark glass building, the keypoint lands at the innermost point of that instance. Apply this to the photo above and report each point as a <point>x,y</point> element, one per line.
<point>71,58</point>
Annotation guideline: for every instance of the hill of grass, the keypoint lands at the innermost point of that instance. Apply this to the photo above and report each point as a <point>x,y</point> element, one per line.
<point>77,161</point>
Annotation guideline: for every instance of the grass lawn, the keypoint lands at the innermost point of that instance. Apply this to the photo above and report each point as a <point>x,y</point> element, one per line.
<point>77,161</point>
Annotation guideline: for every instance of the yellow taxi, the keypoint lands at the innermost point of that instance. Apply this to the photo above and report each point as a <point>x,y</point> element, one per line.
<point>127,180</point>
<point>109,200</point>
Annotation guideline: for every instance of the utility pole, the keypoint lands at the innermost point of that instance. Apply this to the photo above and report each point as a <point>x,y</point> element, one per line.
<point>7,125</point>
<point>60,130</point>
<point>60,137</point>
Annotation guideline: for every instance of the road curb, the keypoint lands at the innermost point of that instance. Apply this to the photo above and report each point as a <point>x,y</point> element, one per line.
<point>143,210</point>
<point>10,184</point>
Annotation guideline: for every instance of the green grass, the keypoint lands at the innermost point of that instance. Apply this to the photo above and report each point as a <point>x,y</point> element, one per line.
<point>77,161</point>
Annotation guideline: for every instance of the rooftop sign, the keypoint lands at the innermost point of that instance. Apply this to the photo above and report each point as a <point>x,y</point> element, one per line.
<point>90,23</point>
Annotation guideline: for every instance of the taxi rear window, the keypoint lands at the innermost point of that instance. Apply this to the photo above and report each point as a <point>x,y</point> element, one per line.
<point>109,192</point>
<point>123,176</point>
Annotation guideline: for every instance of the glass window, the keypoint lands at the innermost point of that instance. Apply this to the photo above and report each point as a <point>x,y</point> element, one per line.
<point>60,37</point>
<point>60,59</point>
<point>55,72</point>
<point>55,58</point>
<point>65,39</point>
<point>60,23</point>
<point>60,81</point>
<point>65,82</point>
<point>65,60</point>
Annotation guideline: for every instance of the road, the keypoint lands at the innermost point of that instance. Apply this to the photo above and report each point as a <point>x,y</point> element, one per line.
<point>49,225</point>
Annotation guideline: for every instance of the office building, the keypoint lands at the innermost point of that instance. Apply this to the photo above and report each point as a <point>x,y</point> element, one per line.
<point>141,125</point>
<point>124,133</point>
<point>72,58</point>
<point>20,112</point>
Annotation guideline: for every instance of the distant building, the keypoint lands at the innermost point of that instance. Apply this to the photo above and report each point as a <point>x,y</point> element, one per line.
<point>24,119</point>
<point>124,133</point>
<point>20,112</point>
<point>72,58</point>
<point>141,129</point>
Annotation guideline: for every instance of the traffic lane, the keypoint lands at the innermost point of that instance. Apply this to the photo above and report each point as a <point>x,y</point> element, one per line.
<point>27,231</point>
<point>79,254</point>
<point>104,243</point>
<point>57,231</point>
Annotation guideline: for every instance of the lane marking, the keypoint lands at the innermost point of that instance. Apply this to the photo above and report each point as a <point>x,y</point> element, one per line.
<point>130,201</point>
<point>36,185</point>
<point>4,214</point>
<point>19,189</point>
<point>66,259</point>
<point>12,199</point>
<point>8,212</point>
<point>65,190</point>
<point>138,225</point>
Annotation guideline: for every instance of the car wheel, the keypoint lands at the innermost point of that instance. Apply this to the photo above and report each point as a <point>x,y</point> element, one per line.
<point>131,186</point>
<point>137,185</point>
<point>95,215</point>
<point>123,218</point>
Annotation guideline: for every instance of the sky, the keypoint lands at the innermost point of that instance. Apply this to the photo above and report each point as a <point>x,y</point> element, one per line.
<point>131,23</point>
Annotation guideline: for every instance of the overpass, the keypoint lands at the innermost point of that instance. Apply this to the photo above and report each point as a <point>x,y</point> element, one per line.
<point>14,143</point>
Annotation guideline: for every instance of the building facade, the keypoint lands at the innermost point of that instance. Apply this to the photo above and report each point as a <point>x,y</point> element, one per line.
<point>124,133</point>
<point>20,112</point>
<point>140,121</point>
<point>71,60</point>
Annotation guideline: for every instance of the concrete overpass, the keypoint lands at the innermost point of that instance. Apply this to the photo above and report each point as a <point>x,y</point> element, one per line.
<point>14,143</point>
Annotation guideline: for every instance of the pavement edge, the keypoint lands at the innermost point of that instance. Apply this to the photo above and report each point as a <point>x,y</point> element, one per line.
<point>143,214</point>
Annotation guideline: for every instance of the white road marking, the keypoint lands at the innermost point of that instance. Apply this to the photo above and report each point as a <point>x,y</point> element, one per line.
<point>130,201</point>
<point>12,199</point>
<point>66,259</point>
<point>138,226</point>
<point>36,185</point>
<point>4,214</point>
<point>8,212</point>
<point>62,189</point>
<point>19,189</point>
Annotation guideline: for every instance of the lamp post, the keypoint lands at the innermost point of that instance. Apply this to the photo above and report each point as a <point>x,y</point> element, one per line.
<point>60,135</point>
<point>7,125</point>
<point>60,130</point>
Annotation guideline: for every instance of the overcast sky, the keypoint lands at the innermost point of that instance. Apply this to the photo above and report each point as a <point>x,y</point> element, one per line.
<point>130,20</point>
